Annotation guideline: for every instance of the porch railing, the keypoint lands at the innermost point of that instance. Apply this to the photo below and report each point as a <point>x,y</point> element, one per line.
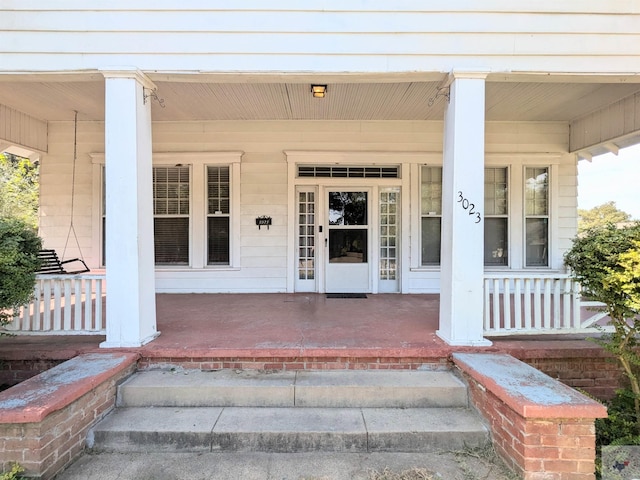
<point>534,304</point>
<point>63,305</point>
<point>513,304</point>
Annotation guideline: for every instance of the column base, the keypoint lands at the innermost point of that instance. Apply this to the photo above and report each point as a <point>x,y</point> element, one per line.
<point>468,342</point>
<point>141,343</point>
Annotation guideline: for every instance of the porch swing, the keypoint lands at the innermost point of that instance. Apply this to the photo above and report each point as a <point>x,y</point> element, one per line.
<point>50,263</point>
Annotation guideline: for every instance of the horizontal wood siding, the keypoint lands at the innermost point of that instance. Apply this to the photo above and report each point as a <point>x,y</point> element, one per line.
<point>263,185</point>
<point>57,186</point>
<point>567,208</point>
<point>20,129</point>
<point>264,189</point>
<point>332,36</point>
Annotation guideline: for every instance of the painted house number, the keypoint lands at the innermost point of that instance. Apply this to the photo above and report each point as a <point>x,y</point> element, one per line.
<point>471,207</point>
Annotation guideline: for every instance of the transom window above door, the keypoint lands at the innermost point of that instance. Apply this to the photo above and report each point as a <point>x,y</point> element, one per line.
<point>345,171</point>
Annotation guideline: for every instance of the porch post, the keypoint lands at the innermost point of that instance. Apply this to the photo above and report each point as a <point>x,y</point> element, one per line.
<point>462,263</point>
<point>131,304</point>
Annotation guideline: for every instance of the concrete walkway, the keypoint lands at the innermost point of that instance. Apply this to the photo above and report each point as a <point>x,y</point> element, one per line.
<point>284,466</point>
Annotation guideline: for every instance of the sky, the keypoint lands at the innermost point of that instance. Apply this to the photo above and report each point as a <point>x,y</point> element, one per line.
<point>610,177</point>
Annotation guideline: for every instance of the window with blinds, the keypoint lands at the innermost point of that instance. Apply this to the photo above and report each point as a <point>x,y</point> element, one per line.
<point>218,215</point>
<point>171,197</point>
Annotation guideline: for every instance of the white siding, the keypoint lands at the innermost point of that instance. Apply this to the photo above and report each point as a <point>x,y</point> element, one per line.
<point>56,187</point>
<point>328,36</point>
<point>264,189</point>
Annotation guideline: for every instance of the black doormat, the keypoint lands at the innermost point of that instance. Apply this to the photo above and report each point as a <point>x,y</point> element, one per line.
<point>346,295</point>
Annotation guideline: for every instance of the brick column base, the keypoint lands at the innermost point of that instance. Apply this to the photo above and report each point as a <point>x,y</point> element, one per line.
<point>543,429</point>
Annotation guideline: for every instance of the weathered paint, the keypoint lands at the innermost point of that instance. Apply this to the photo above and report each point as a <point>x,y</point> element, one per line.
<point>526,390</point>
<point>37,397</point>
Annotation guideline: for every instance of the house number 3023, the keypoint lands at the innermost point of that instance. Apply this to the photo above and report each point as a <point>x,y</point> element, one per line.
<point>471,207</point>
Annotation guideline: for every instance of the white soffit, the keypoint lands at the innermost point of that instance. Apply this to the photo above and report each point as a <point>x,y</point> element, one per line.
<point>192,100</point>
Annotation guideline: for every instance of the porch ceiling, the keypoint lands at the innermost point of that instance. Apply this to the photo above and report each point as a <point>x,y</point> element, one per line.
<point>192,100</point>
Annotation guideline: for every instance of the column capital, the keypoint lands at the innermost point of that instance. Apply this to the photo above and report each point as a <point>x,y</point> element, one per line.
<point>480,74</point>
<point>129,72</point>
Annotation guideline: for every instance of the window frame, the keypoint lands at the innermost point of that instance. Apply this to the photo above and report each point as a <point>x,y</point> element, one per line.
<point>548,215</point>
<point>188,216</point>
<point>197,235</point>
<point>423,215</point>
<point>506,215</point>
<point>218,214</point>
<point>516,163</point>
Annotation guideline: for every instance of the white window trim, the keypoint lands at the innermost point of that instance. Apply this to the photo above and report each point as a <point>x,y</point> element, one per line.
<point>415,225</point>
<point>198,162</point>
<point>431,267</point>
<point>516,163</point>
<point>551,215</point>
<point>190,217</point>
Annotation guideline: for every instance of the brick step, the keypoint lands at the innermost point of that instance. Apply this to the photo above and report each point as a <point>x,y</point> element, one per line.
<point>288,429</point>
<point>345,388</point>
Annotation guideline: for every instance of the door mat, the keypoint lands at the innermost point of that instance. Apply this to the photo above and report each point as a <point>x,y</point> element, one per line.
<point>346,295</point>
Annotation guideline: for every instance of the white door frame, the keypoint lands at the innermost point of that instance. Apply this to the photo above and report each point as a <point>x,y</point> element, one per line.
<point>402,159</point>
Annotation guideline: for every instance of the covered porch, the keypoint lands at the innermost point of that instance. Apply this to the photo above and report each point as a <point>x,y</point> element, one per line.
<point>439,246</point>
<point>512,294</point>
<point>462,154</point>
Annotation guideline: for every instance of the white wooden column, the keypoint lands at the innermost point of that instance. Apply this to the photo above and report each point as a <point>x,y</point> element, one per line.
<point>462,262</point>
<point>130,269</point>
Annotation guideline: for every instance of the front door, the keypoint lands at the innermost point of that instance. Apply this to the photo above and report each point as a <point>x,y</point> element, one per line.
<point>347,241</point>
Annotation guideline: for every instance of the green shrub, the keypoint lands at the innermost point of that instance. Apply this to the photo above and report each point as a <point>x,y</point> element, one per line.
<point>12,474</point>
<point>606,262</point>
<point>619,428</point>
<point>19,247</point>
<point>602,261</point>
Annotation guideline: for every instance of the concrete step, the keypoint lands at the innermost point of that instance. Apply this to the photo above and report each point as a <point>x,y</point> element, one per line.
<point>287,429</point>
<point>344,388</point>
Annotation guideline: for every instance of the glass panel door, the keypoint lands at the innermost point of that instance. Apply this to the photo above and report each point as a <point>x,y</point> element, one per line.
<point>347,242</point>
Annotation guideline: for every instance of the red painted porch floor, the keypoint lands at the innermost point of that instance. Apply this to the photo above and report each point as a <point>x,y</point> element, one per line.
<point>295,326</point>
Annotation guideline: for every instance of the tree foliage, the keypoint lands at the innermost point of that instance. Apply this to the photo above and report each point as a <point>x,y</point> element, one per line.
<point>606,262</point>
<point>19,247</point>
<point>601,216</point>
<point>19,188</point>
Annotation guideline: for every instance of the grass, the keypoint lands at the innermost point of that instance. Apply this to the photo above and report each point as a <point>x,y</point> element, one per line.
<point>484,456</point>
<point>480,463</point>
<point>411,474</point>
